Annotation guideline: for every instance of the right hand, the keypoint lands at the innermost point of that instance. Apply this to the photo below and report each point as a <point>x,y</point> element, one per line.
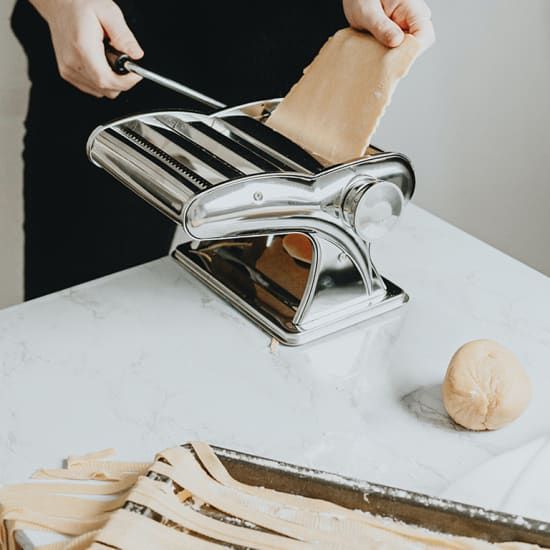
<point>78,28</point>
<point>389,20</point>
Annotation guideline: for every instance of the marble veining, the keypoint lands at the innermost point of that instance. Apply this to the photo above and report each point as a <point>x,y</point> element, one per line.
<point>149,358</point>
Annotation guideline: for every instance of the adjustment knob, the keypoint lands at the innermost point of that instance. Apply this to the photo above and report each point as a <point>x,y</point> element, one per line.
<point>372,206</point>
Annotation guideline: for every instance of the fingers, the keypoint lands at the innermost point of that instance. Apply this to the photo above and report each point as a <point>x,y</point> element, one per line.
<point>91,67</point>
<point>127,81</point>
<point>87,86</point>
<point>423,30</point>
<point>121,38</point>
<point>116,29</point>
<point>92,74</point>
<point>413,16</point>
<point>388,20</point>
<point>75,79</point>
<point>84,85</point>
<point>78,31</point>
<point>369,15</point>
<point>425,35</point>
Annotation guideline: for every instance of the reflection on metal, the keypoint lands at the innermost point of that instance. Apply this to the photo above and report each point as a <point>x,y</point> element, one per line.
<point>237,188</point>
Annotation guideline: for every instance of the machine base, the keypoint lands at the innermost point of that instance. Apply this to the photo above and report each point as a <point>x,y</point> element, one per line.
<point>238,293</point>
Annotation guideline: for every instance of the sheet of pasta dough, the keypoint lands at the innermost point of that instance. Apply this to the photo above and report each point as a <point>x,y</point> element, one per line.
<point>334,109</point>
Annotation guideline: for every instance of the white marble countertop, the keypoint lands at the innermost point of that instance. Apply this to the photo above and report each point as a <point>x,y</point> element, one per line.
<point>149,358</point>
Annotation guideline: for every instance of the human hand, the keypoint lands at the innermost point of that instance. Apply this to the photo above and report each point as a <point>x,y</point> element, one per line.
<point>388,20</point>
<point>78,28</point>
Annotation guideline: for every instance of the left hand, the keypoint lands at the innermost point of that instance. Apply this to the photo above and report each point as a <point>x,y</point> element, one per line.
<point>78,28</point>
<point>389,20</point>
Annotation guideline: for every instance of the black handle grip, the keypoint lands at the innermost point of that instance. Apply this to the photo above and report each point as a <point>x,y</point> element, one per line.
<point>116,59</point>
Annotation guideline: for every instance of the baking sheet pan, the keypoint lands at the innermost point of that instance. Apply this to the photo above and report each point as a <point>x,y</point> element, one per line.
<point>432,513</point>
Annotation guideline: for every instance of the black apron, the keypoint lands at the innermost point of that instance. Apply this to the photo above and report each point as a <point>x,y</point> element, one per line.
<point>80,224</point>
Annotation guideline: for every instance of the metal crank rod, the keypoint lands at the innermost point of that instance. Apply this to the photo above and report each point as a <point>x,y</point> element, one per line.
<point>121,63</point>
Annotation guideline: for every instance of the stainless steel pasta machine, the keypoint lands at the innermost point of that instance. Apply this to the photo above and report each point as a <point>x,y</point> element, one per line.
<point>237,188</point>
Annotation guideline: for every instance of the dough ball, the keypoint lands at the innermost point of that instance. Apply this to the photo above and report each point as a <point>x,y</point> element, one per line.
<point>298,246</point>
<point>485,387</point>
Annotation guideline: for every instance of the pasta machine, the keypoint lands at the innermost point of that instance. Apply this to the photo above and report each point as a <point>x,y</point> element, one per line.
<point>238,188</point>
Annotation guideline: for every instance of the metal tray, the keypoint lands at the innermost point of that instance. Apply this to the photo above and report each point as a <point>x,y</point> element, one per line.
<point>432,513</point>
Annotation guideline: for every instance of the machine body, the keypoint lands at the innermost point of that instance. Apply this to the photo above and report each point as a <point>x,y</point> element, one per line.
<point>237,188</point>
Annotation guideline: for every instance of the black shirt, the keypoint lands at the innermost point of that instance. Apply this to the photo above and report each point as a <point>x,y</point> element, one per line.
<point>233,50</point>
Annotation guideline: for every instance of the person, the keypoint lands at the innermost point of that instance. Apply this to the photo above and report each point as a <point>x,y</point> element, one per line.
<point>80,224</point>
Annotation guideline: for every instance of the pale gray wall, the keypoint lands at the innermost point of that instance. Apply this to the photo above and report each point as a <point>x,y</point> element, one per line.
<point>474,115</point>
<point>13,100</point>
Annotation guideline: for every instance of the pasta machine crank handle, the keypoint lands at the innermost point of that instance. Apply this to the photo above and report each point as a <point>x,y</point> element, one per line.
<point>122,63</point>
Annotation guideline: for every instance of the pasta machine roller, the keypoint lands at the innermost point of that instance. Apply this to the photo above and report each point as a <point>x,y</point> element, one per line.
<point>237,188</point>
